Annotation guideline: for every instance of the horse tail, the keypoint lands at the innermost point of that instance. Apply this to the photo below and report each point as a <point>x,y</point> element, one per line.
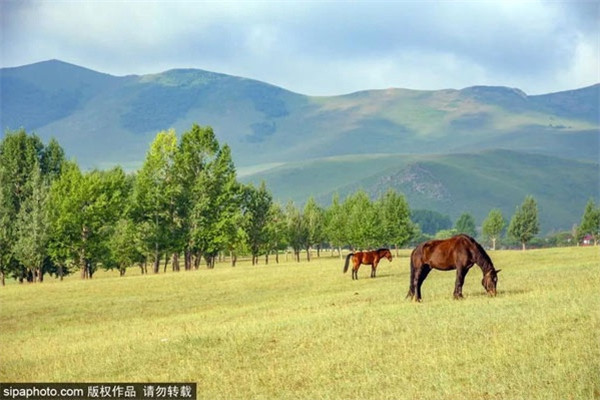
<point>412,276</point>
<point>347,262</point>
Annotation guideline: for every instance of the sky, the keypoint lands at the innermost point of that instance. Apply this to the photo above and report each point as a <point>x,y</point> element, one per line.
<point>319,47</point>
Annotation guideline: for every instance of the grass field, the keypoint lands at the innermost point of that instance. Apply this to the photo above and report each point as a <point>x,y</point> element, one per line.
<point>308,331</point>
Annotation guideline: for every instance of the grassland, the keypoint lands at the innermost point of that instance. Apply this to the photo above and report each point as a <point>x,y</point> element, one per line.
<point>307,331</point>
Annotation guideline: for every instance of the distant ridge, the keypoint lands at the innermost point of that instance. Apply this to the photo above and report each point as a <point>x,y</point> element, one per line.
<point>103,120</point>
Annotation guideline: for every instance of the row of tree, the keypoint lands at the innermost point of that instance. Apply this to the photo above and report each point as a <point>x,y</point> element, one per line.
<point>185,204</point>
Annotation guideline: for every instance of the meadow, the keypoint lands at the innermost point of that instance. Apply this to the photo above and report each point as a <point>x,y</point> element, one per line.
<point>307,331</point>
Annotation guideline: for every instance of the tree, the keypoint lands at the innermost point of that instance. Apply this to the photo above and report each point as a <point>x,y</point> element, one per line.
<point>21,157</point>
<point>256,205</point>
<point>396,227</point>
<point>83,209</point>
<point>590,221</point>
<point>225,197</point>
<point>52,159</point>
<point>363,221</point>
<point>275,232</point>
<point>335,226</point>
<point>466,224</point>
<point>155,195</point>
<point>493,225</point>
<point>33,227</point>
<point>196,150</point>
<point>7,236</point>
<point>123,244</point>
<point>297,232</point>
<point>524,224</point>
<point>313,216</point>
<point>431,221</point>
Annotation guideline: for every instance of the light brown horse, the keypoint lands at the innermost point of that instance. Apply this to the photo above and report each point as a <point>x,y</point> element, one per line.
<point>366,257</point>
<point>460,252</point>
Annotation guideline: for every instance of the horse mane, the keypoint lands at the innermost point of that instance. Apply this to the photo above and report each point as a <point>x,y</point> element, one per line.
<point>382,249</point>
<point>481,256</point>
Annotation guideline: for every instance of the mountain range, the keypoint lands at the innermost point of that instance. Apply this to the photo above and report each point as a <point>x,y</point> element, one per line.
<point>447,150</point>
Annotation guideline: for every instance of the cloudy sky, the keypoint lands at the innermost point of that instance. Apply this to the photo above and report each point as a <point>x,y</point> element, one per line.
<point>319,47</point>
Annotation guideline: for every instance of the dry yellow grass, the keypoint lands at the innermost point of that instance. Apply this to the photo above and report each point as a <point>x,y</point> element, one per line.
<point>308,331</point>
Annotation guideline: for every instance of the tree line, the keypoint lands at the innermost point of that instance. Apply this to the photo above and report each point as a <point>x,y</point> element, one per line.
<point>184,206</point>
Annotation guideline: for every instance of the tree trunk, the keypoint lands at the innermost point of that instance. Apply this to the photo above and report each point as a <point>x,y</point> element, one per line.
<point>176,262</point>
<point>233,258</point>
<point>187,260</point>
<point>2,279</point>
<point>156,259</point>
<point>60,271</point>
<point>493,243</point>
<point>277,256</point>
<point>523,243</point>
<point>308,253</point>
<point>267,258</point>
<point>340,252</point>
<point>166,262</point>
<point>197,260</point>
<point>84,265</point>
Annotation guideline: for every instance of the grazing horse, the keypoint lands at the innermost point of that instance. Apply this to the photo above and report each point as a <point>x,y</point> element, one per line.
<point>368,258</point>
<point>460,252</point>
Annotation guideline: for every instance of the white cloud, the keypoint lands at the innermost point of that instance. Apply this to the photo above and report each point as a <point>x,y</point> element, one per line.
<point>319,47</point>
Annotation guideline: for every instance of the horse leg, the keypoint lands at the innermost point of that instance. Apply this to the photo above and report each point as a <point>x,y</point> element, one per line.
<point>461,273</point>
<point>420,275</point>
<point>373,270</point>
<point>355,272</point>
<point>411,287</point>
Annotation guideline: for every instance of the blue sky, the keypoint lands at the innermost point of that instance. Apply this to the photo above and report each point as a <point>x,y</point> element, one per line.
<point>319,47</point>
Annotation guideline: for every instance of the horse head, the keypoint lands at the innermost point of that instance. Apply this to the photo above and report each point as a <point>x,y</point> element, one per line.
<point>489,281</point>
<point>387,254</point>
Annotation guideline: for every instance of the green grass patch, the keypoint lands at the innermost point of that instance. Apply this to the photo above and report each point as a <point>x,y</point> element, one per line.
<point>306,330</point>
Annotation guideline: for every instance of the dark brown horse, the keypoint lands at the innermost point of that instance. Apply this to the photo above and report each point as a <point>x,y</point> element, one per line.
<point>460,252</point>
<point>368,258</point>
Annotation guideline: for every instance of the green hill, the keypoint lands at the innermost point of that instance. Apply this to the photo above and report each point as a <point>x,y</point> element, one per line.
<point>412,140</point>
<point>451,184</point>
<point>103,120</point>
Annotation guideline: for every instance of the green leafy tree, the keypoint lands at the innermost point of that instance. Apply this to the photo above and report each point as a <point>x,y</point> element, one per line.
<point>196,150</point>
<point>493,226</point>
<point>83,209</point>
<point>33,227</point>
<point>445,234</point>
<point>524,224</point>
<point>225,197</point>
<point>21,157</point>
<point>52,159</point>
<point>335,226</point>
<point>256,205</point>
<point>466,224</point>
<point>590,221</point>
<point>156,195</point>
<point>208,216</point>
<point>297,231</point>
<point>275,232</point>
<point>363,221</point>
<point>123,243</point>
<point>314,220</point>
<point>431,222</point>
<point>396,227</point>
